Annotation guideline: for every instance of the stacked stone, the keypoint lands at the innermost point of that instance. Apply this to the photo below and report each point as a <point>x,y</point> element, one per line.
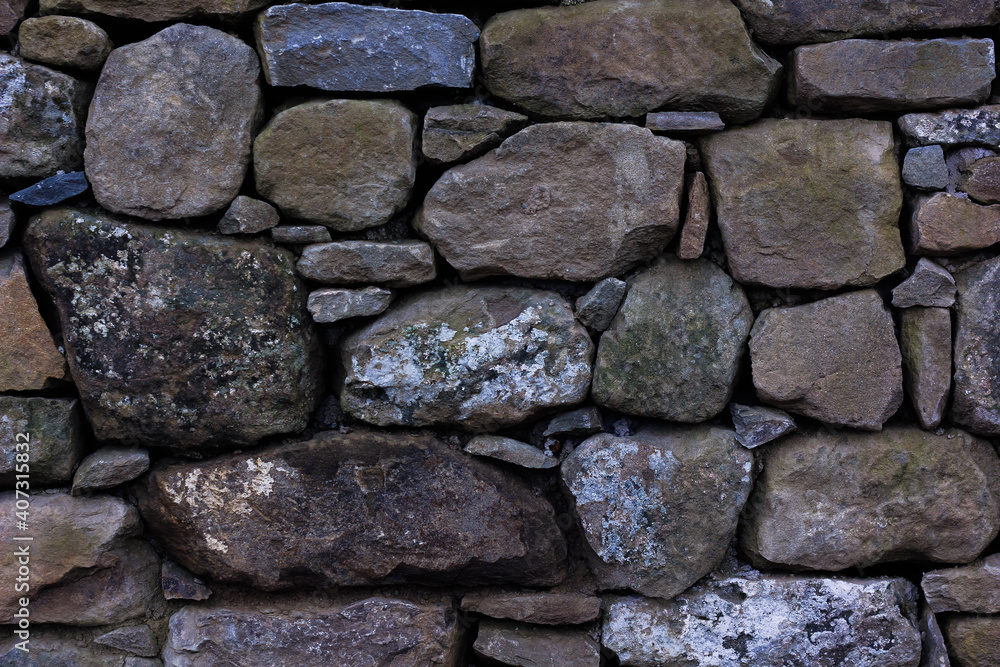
<point>617,356</point>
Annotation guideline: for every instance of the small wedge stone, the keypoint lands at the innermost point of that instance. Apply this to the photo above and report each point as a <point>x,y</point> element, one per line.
<point>930,285</point>
<point>334,304</point>
<point>510,450</point>
<point>757,425</point>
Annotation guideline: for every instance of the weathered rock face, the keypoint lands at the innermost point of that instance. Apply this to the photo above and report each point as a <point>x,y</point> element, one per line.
<point>836,360</point>
<point>733,622</point>
<point>53,440</point>
<point>152,10</point>
<point>41,120</point>
<point>806,203</point>
<point>685,122</point>
<point>525,646</point>
<point>925,341</point>
<point>371,507</point>
<point>109,467</point>
<point>562,62</point>
<point>500,356</point>
<point>375,631</point>
<point>510,450</point>
<point>946,224</point>
<point>973,641</point>
<point>135,639</point>
<point>674,348</point>
<point>539,608</point>
<point>248,216</point>
<point>462,131</point>
<point>699,214</point>
<point>580,201</point>
<point>930,285</point>
<point>972,588</point>
<point>334,304</point>
<point>980,126</point>
<point>935,652</point>
<point>340,46</point>
<point>597,308</point>
<point>976,401</point>
<point>900,494</point>
<point>179,584</point>
<point>58,646</point>
<point>389,263</point>
<point>659,509</point>
<point>64,41</point>
<point>347,164</point>
<point>869,75</point>
<point>171,123</point>
<point>161,351</point>
<point>982,181</point>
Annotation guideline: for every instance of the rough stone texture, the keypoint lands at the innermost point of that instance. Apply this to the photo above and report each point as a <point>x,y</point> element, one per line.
<point>538,608</point>
<point>8,221</point>
<point>53,438</point>
<point>924,168</point>
<point>658,509</point>
<point>109,467</point>
<point>369,507</point>
<point>757,425</point>
<point>41,120</point>
<point>179,584</point>
<point>982,181</point>
<point>334,304</point>
<point>835,360</point>
<point>959,161</point>
<point>510,450</point>
<point>873,75</point>
<point>598,307</point>
<point>247,215</point>
<point>464,131</point>
<point>525,646</point>
<point>389,263</point>
<point>340,46</point>
<point>973,641</point>
<point>585,421</point>
<point>301,234</point>
<point>674,348</point>
<point>502,355</point>
<point>152,10</point>
<point>980,127</point>
<point>581,201</point>
<point>52,190</point>
<point>972,588</point>
<point>769,620</point>
<point>64,41</point>
<point>377,631</point>
<point>925,341</point>
<point>807,203</point>
<point>930,285</point>
<point>947,224</point>
<point>976,399</point>
<point>347,164</point>
<point>935,652</point>
<point>685,122</point>
<point>696,55</point>
<point>176,339</point>
<point>699,213</point>
<point>806,21</point>
<point>54,646</point>
<point>135,639</point>
<point>896,495</point>
<point>11,11</point>
<point>29,359</point>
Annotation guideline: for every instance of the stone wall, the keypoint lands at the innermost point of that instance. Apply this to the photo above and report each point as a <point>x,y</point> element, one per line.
<point>624,332</point>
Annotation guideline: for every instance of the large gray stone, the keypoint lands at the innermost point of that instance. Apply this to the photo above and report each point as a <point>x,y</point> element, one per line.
<point>389,263</point>
<point>979,126</point>
<point>462,131</point>
<point>153,10</point>
<point>925,342</point>
<point>526,646</point>
<point>579,201</point>
<point>171,123</point>
<point>971,588</point>
<point>976,400</point>
<point>51,437</point>
<point>476,357</point>
<point>674,348</point>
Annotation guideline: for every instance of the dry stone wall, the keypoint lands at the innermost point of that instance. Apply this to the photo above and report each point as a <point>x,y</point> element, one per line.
<point>637,333</point>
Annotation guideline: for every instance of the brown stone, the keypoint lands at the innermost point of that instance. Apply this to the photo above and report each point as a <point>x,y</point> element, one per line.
<point>934,651</point>
<point>946,224</point>
<point>699,212</point>
<point>64,41</point>
<point>388,263</point>
<point>538,608</point>
<point>982,181</point>
<point>525,646</point>
<point>463,131</point>
<point>925,341</point>
<point>973,588</point>
<point>152,10</point>
<point>973,641</point>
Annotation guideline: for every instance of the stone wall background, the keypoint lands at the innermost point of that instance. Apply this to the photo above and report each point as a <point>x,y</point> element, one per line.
<point>623,332</point>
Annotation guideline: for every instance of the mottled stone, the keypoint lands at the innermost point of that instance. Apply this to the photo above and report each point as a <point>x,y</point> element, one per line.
<point>388,263</point>
<point>247,215</point>
<point>153,10</point>
<point>346,164</point>
<point>581,201</point>
<point>53,190</point>
<point>695,55</point>
<point>930,285</point>
<point>301,234</point>
<point>674,348</point>
<point>585,421</point>
<point>976,399</point>
<point>525,646</point>
<point>979,126</point>
<point>699,213</point>
<point>769,620</point>
<point>510,450</point>
<point>464,131</point>
<point>340,46</point>
<point>369,507</point>
<point>64,41</point>
<point>807,203</point>
<point>538,608</point>
<point>598,307</point>
<point>947,224</point>
<point>982,181</point>
<point>756,425</point>
<point>41,120</point>
<point>109,467</point>
<point>177,339</point>
<point>8,221</point>
<point>925,341</point>
<point>136,639</point>
<point>971,588</point>
<point>333,304</point>
<point>973,641</point>
<point>54,441</point>
<point>835,360</point>
<point>11,11</point>
<point>501,356</point>
<point>179,584</point>
<point>924,168</point>
<point>685,123</point>
<point>171,123</point>
<point>29,359</point>
<point>658,509</point>
<point>902,494</point>
<point>934,651</point>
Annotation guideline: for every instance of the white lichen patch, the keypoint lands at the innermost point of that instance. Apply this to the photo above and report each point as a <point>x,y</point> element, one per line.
<point>211,491</point>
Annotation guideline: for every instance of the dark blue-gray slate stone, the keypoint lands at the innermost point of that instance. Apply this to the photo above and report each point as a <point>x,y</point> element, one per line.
<point>53,190</point>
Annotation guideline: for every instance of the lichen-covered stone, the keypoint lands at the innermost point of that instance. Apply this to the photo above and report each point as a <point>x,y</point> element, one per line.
<point>769,620</point>
<point>538,608</point>
<point>171,123</point>
<point>525,646</point>
<point>109,467</point>
<point>924,168</point>
<point>674,348</point>
<point>333,304</point>
<point>177,339</point>
<point>947,224</point>
<point>247,215</point>
<point>389,263</point>
<point>976,399</point>
<point>463,131</point>
<point>52,439</point>
<point>982,180</point>
<point>925,341</point>
<point>64,41</point>
<point>580,201</point>
<point>153,10</point>
<point>346,164</point>
<point>598,307</point>
<point>756,425</point>
<point>971,588</point>
<point>476,357</point>
<point>807,203</point>
<point>359,508</point>
<point>930,285</point>
<point>979,126</point>
<point>835,500</point>
<point>561,62</point>
<point>658,509</point>
<point>973,641</point>
<point>510,450</point>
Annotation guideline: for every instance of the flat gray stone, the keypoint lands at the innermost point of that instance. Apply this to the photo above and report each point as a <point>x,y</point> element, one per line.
<point>685,123</point>
<point>247,215</point>
<point>333,304</point>
<point>525,646</point>
<point>53,190</point>
<point>947,224</point>
<point>64,41</point>
<point>153,10</point>
<point>109,467</point>
<point>388,263</point>
<point>538,608</point>
<point>54,441</point>
<point>135,639</point>
<point>339,46</point>
<point>973,588</point>
<point>976,399</point>
<point>979,126</point>
<point>179,584</point>
<point>585,421</point>
<point>598,307</point>
<point>930,285</point>
<point>510,450</point>
<point>925,341</point>
<point>924,168</point>
<point>464,131</point>
<point>756,425</point>
<point>981,180</point>
<point>301,234</point>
